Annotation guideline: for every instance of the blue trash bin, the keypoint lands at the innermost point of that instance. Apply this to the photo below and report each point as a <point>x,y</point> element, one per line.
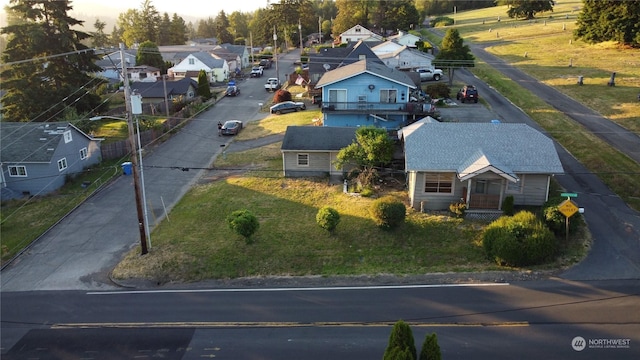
<point>127,168</point>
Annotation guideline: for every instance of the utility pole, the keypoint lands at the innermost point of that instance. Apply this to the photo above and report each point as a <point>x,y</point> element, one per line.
<point>134,154</point>
<point>300,34</point>
<point>275,51</point>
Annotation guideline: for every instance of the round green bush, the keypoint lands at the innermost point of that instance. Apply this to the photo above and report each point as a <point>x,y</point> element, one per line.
<point>328,218</point>
<point>519,240</point>
<point>388,213</point>
<point>243,223</point>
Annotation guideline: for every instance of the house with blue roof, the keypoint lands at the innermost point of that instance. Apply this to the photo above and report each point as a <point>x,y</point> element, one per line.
<point>37,158</point>
<point>477,163</point>
<point>368,93</point>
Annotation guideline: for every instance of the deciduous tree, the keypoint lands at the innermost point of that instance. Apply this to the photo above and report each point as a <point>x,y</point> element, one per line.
<point>372,148</point>
<point>527,8</point>
<point>47,65</point>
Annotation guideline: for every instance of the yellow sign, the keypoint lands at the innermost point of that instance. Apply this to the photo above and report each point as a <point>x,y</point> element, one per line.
<point>568,208</point>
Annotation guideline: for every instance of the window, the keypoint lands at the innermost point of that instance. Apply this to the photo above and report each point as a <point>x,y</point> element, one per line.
<point>17,171</point>
<point>84,153</point>
<point>142,75</point>
<point>192,61</point>
<point>438,183</point>
<point>303,159</point>
<point>67,136</point>
<point>62,164</point>
<point>481,187</point>
<point>388,95</point>
<point>515,187</point>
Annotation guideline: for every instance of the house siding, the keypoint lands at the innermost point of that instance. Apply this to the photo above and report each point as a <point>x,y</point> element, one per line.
<point>534,190</point>
<point>319,164</point>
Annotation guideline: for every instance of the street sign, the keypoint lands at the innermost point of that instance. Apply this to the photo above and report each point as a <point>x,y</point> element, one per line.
<point>568,208</point>
<point>569,195</point>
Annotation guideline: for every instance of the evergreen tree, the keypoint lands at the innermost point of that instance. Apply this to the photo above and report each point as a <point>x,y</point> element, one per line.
<point>221,24</point>
<point>453,54</point>
<point>204,89</point>
<point>164,30</point>
<point>41,84</point>
<point>430,348</point>
<point>100,39</point>
<point>609,20</point>
<point>178,31</point>
<point>401,343</point>
<point>527,8</point>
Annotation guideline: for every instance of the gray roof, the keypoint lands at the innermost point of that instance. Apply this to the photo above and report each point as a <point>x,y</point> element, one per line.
<point>209,60</point>
<point>317,138</point>
<point>236,49</point>
<point>33,141</point>
<point>156,89</point>
<point>365,66</point>
<point>461,147</point>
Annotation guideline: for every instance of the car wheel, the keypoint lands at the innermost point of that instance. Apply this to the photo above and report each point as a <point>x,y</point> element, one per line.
<point>436,77</point>
<point>304,107</point>
<point>476,101</point>
<point>278,112</point>
<point>462,99</point>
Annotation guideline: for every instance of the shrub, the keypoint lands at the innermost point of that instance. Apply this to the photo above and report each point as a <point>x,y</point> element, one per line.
<point>441,21</point>
<point>430,348</point>
<point>458,209</point>
<point>401,343</point>
<point>243,223</point>
<point>556,221</point>
<point>281,95</point>
<point>518,240</point>
<point>388,213</point>
<point>507,205</point>
<point>440,90</point>
<point>328,218</point>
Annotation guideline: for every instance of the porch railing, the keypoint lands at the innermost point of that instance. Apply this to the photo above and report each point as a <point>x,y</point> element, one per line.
<point>484,201</point>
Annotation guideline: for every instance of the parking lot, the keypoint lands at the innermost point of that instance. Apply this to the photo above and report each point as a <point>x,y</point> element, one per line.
<point>467,113</point>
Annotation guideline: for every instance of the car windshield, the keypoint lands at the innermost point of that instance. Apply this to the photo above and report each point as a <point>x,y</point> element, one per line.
<point>229,125</point>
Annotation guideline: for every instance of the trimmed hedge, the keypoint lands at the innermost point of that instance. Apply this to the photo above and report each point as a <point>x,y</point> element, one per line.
<point>388,213</point>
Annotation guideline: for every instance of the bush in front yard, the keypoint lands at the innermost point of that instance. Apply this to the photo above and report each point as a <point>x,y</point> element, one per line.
<point>519,240</point>
<point>388,213</point>
<point>328,218</point>
<point>281,95</point>
<point>243,223</point>
<point>556,221</point>
<point>437,91</point>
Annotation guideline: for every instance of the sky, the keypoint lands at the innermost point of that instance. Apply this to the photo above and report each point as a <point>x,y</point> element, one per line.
<point>193,8</point>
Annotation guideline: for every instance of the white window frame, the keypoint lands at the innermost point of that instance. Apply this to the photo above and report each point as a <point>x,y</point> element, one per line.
<point>67,136</point>
<point>62,164</point>
<point>303,159</point>
<point>388,99</point>
<point>17,170</point>
<point>192,61</point>
<point>440,180</point>
<point>84,153</point>
<point>515,187</point>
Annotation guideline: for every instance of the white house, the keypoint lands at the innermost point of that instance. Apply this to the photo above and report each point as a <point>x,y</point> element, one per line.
<point>405,58</point>
<point>217,70</point>
<point>357,33</point>
<point>404,38</point>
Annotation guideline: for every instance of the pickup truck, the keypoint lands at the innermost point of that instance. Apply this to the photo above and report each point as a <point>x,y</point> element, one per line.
<point>256,71</point>
<point>427,74</point>
<point>272,84</point>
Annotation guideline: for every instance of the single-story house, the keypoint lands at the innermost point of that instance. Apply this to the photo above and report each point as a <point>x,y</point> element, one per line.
<point>311,150</point>
<point>405,38</point>
<point>402,57</point>
<point>158,91</point>
<point>37,158</point>
<point>357,33</point>
<point>477,163</point>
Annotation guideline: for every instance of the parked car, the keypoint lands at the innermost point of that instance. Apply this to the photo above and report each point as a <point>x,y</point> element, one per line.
<point>232,90</point>
<point>468,93</point>
<point>272,84</point>
<point>287,106</point>
<point>231,127</point>
<point>256,71</point>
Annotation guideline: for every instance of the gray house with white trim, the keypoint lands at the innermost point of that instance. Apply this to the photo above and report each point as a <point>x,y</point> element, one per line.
<point>311,150</point>
<point>37,158</point>
<point>478,163</point>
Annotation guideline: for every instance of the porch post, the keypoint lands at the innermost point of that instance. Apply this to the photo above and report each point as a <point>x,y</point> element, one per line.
<point>503,186</point>
<point>468,193</point>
